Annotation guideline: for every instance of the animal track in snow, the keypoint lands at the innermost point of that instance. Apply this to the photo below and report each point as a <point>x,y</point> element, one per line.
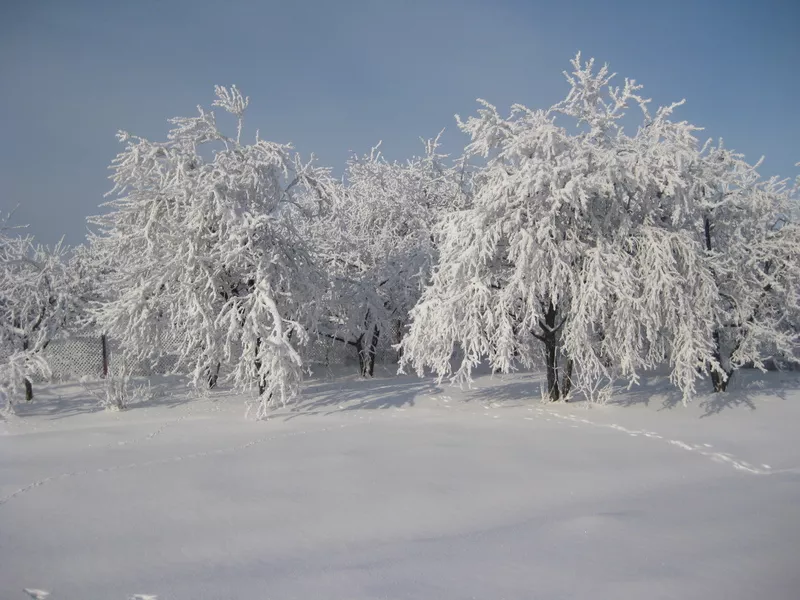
<point>681,444</point>
<point>163,461</point>
<point>149,436</point>
<point>702,449</point>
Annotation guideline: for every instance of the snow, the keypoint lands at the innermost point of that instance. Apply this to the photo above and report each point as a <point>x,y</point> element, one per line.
<point>398,488</point>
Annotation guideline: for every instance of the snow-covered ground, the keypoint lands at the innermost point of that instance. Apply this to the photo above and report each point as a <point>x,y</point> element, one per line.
<point>396,488</point>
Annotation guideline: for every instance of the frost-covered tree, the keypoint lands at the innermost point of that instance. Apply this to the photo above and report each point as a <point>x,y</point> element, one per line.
<point>202,245</point>
<point>753,247</point>
<point>378,261</point>
<point>37,301</point>
<point>580,252</point>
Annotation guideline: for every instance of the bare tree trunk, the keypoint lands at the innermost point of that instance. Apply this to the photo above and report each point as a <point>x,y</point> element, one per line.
<point>720,380</point>
<point>261,383</point>
<point>566,383</point>
<point>366,354</point>
<point>362,363</point>
<point>373,346</point>
<point>551,358</point>
<point>550,337</point>
<point>27,382</point>
<point>104,349</point>
<point>212,375</point>
<point>397,337</point>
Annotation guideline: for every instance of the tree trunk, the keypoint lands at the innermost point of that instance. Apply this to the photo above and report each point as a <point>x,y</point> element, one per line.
<point>373,346</point>
<point>720,380</point>
<point>362,365</point>
<point>213,374</point>
<point>27,382</point>
<point>566,383</point>
<point>397,337</point>
<point>550,338</point>
<point>366,354</point>
<point>551,356</point>
<point>261,383</point>
<point>104,349</point>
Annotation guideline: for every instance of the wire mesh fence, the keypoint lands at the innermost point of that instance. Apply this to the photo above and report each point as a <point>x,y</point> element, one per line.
<point>92,355</point>
<point>89,354</point>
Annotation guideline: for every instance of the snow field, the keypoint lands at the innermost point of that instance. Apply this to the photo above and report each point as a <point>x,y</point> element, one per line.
<point>395,488</point>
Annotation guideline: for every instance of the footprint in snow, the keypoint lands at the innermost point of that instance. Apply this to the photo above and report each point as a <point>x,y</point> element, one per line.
<point>681,444</point>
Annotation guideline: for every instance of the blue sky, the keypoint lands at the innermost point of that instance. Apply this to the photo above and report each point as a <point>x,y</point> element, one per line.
<point>335,77</point>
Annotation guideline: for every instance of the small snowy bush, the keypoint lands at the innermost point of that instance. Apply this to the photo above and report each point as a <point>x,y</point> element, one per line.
<point>118,392</point>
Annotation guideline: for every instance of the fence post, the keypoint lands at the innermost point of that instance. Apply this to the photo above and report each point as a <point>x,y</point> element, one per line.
<point>105,355</point>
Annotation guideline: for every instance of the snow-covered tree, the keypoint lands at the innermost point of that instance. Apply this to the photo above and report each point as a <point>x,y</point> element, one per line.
<point>380,257</point>
<point>37,301</point>
<point>201,244</point>
<point>580,252</point>
<point>753,247</point>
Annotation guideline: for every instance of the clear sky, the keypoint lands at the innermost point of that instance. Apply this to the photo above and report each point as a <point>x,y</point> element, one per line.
<point>336,76</point>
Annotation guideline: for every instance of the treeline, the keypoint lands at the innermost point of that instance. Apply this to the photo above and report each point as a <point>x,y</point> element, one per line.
<point>557,240</point>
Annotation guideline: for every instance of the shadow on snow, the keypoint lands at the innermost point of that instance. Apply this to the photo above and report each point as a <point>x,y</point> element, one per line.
<point>345,391</point>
